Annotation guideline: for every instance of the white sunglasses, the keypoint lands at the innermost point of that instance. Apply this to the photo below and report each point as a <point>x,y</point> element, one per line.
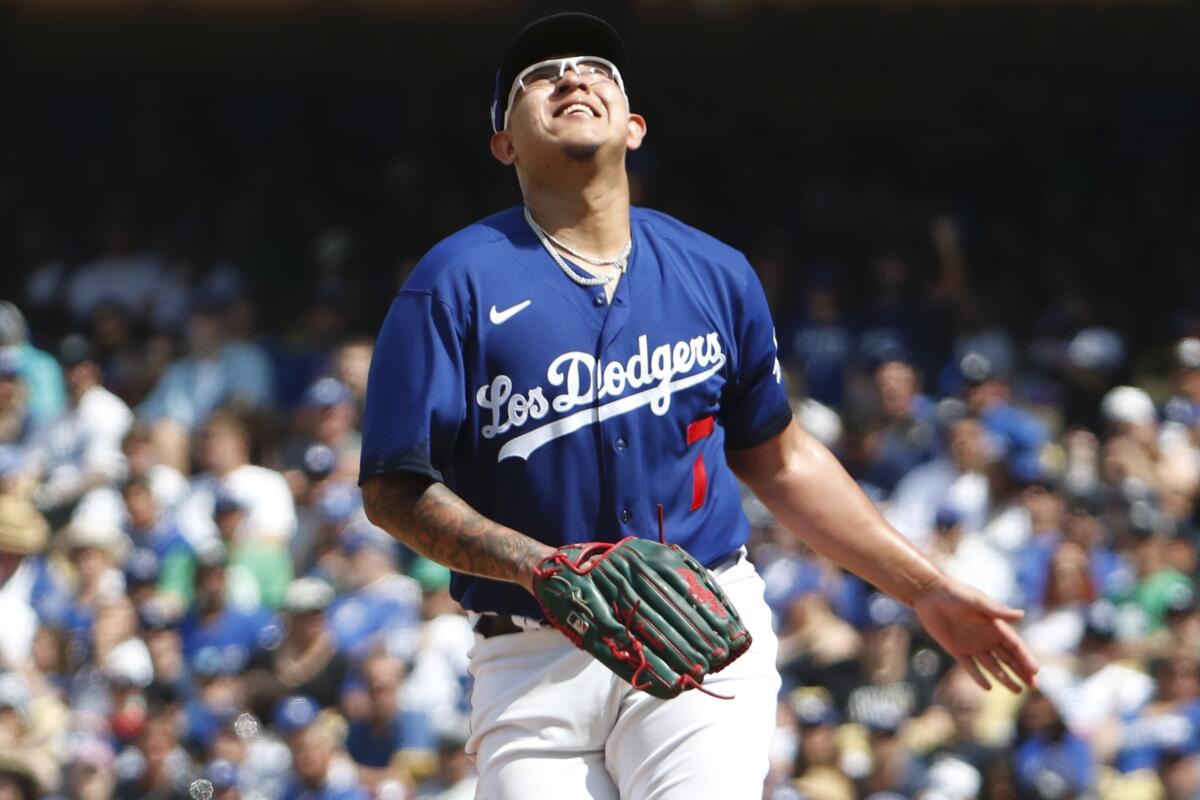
<point>592,69</point>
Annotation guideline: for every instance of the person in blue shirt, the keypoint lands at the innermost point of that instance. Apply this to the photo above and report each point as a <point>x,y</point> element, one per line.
<point>156,530</point>
<point>905,432</point>
<point>554,373</point>
<point>317,771</point>
<point>381,601</point>
<point>819,342</point>
<point>390,734</point>
<point>219,692</point>
<point>1048,759</point>
<point>1170,722</point>
<point>986,393</point>
<point>210,622</point>
<point>216,371</point>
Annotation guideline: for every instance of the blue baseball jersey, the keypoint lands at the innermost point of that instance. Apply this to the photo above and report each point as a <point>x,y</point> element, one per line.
<point>565,416</point>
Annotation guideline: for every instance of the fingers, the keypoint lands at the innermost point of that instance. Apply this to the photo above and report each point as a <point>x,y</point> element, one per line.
<point>989,662</point>
<point>1016,655</point>
<point>968,663</point>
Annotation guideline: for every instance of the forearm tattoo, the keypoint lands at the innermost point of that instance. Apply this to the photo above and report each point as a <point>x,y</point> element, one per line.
<point>439,525</point>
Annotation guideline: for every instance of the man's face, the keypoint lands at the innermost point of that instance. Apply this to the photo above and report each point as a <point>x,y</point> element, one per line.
<point>10,391</point>
<point>81,377</point>
<point>896,383</point>
<point>139,504</point>
<point>311,753</point>
<point>966,444</point>
<point>581,113</point>
<point>222,448</point>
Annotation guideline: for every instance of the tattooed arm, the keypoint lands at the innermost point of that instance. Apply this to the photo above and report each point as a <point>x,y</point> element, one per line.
<point>438,524</point>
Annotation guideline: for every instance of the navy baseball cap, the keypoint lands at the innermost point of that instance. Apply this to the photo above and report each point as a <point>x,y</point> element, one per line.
<point>142,567</point>
<point>319,461</point>
<point>212,661</point>
<point>571,33</point>
<point>338,502</point>
<point>327,393</point>
<point>814,708</point>
<point>362,535</point>
<point>947,516</point>
<point>295,713</point>
<point>74,350</point>
<point>222,774</point>
<point>976,368</point>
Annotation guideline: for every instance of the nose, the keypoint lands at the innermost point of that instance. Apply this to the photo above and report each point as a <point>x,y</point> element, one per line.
<point>570,81</point>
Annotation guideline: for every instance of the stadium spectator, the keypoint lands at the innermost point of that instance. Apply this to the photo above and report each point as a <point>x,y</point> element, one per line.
<point>1182,409</point>
<point>97,551</point>
<point>381,603</point>
<point>970,557</point>
<point>90,770</point>
<point>157,767</point>
<point>954,479</point>
<point>225,450</point>
<point>16,422</point>
<point>167,484</point>
<point>155,529</point>
<point>320,769</point>
<point>817,758</point>
<point>259,567</point>
<point>350,365</point>
<point>327,416</point>
<point>23,533</point>
<point>45,392</point>
<point>308,661</point>
<point>389,740</point>
<point>438,683</point>
<point>819,342</point>
<point>213,622</point>
<point>80,451</point>
<point>1136,454</point>
<point>216,372</point>
<point>1169,722</point>
<point>904,433</point>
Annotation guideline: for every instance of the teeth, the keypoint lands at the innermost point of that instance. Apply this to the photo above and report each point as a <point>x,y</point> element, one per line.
<point>577,107</point>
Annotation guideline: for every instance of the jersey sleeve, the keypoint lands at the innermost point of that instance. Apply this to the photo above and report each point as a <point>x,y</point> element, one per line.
<point>415,390</point>
<point>755,406</point>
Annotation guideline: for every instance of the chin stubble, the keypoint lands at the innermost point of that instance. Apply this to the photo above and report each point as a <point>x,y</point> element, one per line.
<point>582,152</point>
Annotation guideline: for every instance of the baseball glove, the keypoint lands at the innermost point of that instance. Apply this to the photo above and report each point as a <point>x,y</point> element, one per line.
<point>649,611</point>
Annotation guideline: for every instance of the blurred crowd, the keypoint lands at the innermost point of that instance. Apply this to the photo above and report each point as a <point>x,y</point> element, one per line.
<point>192,603</point>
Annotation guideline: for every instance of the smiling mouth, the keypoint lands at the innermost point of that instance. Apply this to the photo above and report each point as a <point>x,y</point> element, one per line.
<point>577,109</point>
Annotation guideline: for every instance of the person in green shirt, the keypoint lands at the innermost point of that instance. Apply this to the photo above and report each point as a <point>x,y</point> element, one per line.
<point>259,569</point>
<point>1158,553</point>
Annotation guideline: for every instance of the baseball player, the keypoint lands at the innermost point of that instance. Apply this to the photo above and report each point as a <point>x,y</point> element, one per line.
<point>555,373</point>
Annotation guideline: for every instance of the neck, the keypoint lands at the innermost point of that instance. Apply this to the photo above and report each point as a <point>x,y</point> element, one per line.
<point>590,215</point>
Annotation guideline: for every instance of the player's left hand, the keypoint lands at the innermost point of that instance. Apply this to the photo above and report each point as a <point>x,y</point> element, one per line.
<point>976,630</point>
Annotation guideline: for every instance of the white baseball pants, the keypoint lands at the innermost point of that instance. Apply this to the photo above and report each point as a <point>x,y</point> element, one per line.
<point>549,720</point>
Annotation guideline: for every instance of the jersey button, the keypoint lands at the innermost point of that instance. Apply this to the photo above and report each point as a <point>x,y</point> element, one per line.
<point>620,445</point>
<point>598,300</point>
<point>626,515</point>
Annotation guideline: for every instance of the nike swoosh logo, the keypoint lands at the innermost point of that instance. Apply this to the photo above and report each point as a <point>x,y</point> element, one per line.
<point>500,317</point>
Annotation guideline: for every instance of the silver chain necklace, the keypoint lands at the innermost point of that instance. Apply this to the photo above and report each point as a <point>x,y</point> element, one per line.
<point>621,262</point>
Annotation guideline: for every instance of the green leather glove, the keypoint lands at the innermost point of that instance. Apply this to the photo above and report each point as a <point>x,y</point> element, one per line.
<point>650,612</point>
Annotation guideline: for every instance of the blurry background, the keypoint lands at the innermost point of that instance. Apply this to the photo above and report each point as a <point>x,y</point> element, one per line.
<point>979,233</point>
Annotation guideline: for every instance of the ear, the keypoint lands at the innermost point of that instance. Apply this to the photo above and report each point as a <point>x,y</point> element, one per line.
<point>502,148</point>
<point>636,132</point>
